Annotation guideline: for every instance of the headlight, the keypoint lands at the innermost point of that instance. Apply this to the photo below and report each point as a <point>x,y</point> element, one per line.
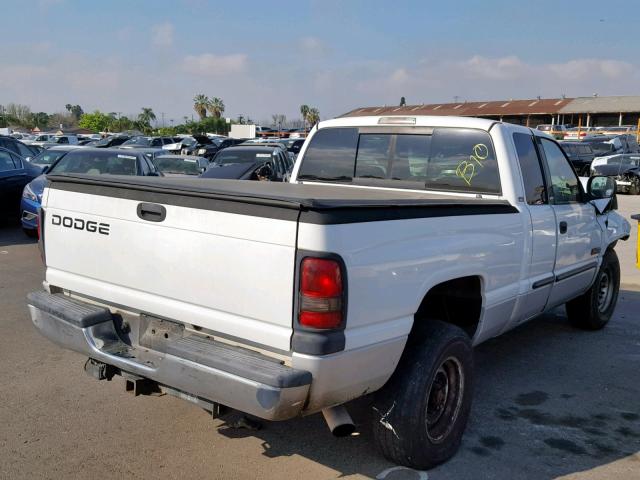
<point>28,193</point>
<point>202,151</point>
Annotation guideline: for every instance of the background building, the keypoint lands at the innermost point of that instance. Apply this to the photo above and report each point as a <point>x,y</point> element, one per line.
<point>590,111</point>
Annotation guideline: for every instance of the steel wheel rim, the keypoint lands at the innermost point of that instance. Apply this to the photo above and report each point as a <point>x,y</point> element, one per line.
<point>444,399</point>
<point>605,292</point>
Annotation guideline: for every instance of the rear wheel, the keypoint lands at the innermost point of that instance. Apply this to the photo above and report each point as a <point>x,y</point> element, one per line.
<point>419,416</point>
<point>593,309</point>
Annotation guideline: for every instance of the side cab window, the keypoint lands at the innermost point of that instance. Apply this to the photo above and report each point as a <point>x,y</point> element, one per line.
<point>565,186</point>
<point>535,188</point>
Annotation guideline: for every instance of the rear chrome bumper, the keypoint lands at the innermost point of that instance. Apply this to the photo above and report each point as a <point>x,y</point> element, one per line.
<point>232,376</point>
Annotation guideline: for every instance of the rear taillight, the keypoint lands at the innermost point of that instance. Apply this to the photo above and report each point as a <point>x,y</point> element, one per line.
<point>321,294</point>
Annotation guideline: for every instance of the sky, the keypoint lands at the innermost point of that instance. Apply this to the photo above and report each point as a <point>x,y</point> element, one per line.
<point>265,58</point>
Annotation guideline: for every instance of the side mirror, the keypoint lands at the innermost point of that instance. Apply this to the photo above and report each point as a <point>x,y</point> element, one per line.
<point>600,187</point>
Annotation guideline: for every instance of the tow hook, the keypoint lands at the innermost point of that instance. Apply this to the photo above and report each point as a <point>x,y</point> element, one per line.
<point>99,370</point>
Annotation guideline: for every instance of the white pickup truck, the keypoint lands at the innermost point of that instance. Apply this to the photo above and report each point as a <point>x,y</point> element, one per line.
<point>399,244</point>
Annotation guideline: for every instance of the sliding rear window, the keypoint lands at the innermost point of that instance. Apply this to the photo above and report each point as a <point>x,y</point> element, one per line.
<point>450,159</point>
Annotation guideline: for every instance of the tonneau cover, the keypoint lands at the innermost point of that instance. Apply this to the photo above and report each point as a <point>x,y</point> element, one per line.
<point>288,195</point>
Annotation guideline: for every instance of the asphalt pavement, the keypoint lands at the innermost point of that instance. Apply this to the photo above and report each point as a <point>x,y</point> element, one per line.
<point>550,401</point>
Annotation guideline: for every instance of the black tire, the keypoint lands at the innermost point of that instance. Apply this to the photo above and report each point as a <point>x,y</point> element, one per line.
<point>30,232</point>
<point>634,188</point>
<point>593,309</point>
<point>415,423</point>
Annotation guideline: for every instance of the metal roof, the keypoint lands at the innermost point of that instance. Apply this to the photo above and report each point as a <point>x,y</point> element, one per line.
<point>619,104</point>
<point>499,108</point>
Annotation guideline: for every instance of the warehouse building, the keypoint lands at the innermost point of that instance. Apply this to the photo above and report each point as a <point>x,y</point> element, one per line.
<point>587,111</point>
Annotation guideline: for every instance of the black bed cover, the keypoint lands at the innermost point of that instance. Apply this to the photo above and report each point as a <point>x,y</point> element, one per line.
<point>321,198</point>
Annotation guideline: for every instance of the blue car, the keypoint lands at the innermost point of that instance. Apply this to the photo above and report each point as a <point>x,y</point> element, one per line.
<point>92,161</point>
<point>15,173</point>
<point>32,193</point>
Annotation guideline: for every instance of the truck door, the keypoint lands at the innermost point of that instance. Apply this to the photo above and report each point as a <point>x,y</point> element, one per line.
<point>542,245</point>
<point>578,233</point>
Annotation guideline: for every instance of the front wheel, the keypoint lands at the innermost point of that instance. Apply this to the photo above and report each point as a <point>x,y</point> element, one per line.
<point>419,416</point>
<point>593,309</point>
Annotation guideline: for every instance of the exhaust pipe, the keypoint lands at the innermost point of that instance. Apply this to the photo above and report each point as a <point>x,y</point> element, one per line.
<point>339,421</point>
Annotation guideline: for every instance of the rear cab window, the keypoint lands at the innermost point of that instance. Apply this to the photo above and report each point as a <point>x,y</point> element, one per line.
<point>445,159</point>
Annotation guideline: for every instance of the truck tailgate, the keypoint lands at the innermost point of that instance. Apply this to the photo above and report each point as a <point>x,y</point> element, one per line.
<point>209,263</point>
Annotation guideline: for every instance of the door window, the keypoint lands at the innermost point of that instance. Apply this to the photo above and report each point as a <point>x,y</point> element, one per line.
<point>534,187</point>
<point>23,150</point>
<point>564,183</point>
<point>6,163</point>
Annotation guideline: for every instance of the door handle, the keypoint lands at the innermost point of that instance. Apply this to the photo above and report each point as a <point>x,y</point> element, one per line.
<point>563,227</point>
<point>152,212</point>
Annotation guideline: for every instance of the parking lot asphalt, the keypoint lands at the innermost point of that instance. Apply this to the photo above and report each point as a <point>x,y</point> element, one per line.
<point>550,401</point>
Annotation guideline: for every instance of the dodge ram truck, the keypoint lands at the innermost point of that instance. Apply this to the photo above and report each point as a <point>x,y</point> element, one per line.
<point>399,244</point>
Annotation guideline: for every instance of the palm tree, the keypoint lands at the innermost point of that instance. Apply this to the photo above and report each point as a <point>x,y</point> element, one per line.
<point>146,116</point>
<point>200,103</point>
<point>304,111</point>
<point>313,116</point>
<point>215,106</point>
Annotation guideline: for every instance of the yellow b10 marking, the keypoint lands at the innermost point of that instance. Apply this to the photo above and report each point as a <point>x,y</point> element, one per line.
<point>467,168</point>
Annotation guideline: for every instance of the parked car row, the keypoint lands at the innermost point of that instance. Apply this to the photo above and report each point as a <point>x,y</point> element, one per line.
<point>581,153</point>
<point>250,162</point>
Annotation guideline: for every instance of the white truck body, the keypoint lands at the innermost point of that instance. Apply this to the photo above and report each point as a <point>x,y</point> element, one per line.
<point>241,288</point>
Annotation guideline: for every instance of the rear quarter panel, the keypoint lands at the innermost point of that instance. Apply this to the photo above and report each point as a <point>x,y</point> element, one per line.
<point>391,266</point>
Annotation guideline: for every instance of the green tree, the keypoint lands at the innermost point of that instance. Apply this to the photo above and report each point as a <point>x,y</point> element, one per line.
<point>145,118</point>
<point>403,101</point>
<point>313,117</point>
<point>75,110</point>
<point>304,111</point>
<point>200,103</point>
<point>215,106</point>
<point>40,119</point>
<point>96,121</point>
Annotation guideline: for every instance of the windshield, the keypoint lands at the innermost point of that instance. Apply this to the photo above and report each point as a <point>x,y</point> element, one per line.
<point>96,163</point>
<point>600,148</point>
<point>202,139</point>
<point>104,142</point>
<point>450,159</point>
<point>229,156</point>
<point>47,157</point>
<point>185,166</point>
<point>138,141</point>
